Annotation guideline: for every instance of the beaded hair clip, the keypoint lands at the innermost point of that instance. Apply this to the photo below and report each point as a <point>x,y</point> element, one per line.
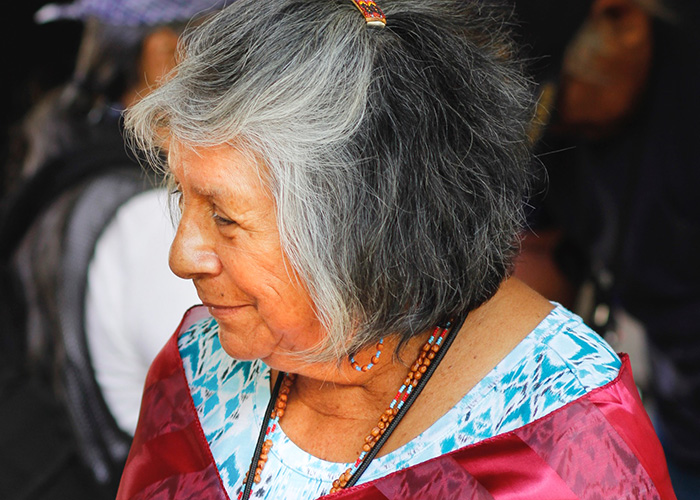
<point>373,14</point>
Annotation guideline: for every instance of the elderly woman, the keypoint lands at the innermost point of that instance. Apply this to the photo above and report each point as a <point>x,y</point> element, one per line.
<point>351,183</point>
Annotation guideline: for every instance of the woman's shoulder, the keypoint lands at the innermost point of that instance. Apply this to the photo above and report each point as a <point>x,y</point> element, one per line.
<point>562,341</point>
<point>560,361</point>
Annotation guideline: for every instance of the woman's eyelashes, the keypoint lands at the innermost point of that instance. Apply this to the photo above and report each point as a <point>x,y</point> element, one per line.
<point>176,196</point>
<point>219,219</point>
<point>177,200</point>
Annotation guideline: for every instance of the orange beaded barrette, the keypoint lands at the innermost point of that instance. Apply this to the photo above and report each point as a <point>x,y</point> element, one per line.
<point>373,14</point>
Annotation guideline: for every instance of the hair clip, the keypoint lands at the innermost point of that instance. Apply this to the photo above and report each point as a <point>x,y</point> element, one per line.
<point>373,14</point>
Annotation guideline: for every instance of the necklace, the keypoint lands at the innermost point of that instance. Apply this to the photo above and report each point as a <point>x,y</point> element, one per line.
<point>417,377</point>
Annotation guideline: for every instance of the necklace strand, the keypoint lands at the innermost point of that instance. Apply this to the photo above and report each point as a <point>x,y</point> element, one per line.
<point>429,356</point>
<point>415,373</point>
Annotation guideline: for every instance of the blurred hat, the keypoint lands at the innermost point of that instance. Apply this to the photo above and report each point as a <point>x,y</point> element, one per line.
<point>128,12</point>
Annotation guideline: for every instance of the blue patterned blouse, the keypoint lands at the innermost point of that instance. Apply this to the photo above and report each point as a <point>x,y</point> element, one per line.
<point>558,362</point>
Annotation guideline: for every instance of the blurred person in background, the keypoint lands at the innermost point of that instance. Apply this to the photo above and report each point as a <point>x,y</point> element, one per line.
<point>87,299</point>
<point>618,227</point>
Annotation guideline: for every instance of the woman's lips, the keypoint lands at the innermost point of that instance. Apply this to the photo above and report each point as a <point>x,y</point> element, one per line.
<point>223,312</point>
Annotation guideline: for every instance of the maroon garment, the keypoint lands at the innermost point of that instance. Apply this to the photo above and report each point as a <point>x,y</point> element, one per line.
<point>601,446</point>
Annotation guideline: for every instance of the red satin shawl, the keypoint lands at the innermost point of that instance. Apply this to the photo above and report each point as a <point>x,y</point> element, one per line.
<point>601,446</point>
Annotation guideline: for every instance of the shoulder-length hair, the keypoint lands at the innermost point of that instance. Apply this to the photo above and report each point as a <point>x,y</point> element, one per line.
<point>398,157</point>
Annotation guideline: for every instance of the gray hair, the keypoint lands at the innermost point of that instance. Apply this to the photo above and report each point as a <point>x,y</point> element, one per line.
<point>398,157</point>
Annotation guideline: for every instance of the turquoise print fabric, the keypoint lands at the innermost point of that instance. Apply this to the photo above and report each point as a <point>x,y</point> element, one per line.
<point>558,362</point>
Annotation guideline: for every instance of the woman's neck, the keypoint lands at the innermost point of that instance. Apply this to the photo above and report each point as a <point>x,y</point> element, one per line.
<point>330,411</point>
<point>331,417</point>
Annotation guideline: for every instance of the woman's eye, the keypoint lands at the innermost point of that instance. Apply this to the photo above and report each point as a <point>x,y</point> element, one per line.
<point>176,196</point>
<point>221,220</point>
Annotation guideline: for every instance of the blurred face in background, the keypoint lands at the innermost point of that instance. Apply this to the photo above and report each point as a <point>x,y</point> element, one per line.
<point>156,60</point>
<point>605,70</point>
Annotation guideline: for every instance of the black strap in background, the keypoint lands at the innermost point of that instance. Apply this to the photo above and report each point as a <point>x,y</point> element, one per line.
<point>607,280</point>
<point>90,208</point>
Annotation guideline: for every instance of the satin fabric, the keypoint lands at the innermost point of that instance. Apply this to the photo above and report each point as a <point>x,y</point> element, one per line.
<point>600,446</point>
<point>169,457</point>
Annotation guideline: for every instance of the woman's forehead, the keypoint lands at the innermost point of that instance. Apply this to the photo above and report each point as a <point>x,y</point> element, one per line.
<point>223,159</point>
<point>216,171</point>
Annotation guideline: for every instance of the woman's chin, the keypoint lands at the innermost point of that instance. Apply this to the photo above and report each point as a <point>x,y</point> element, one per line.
<point>239,351</point>
<point>242,342</point>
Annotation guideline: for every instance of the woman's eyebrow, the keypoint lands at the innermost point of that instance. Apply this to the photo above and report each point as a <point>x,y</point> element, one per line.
<point>229,197</point>
<point>213,192</point>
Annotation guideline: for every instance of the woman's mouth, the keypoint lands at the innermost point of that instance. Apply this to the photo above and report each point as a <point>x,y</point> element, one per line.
<point>223,311</point>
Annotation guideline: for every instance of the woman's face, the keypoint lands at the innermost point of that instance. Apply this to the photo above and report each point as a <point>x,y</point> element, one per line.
<point>228,244</point>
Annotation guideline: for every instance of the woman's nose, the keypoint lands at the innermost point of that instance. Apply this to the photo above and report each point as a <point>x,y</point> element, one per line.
<point>191,254</point>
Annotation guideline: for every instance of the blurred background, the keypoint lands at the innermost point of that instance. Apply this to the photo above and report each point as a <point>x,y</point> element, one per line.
<point>37,58</point>
<point>614,227</point>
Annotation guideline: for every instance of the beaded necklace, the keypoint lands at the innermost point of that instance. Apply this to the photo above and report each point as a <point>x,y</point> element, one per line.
<point>417,377</point>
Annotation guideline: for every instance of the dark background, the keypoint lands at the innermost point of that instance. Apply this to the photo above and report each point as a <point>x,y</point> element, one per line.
<point>40,57</point>
<point>37,58</point>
